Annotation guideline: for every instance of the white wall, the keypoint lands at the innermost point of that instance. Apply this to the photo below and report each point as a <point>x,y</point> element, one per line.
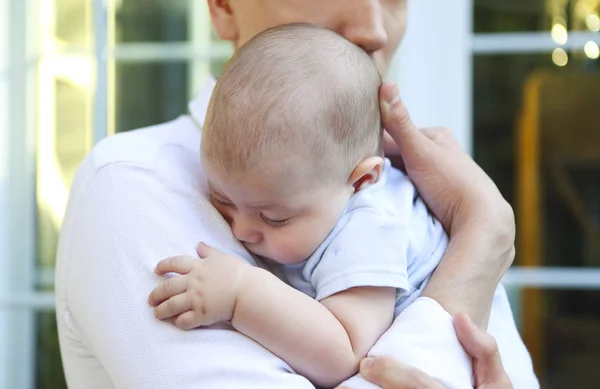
<point>4,190</point>
<point>17,211</point>
<point>433,65</point>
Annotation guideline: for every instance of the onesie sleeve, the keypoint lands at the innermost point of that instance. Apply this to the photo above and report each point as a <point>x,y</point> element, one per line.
<point>368,248</point>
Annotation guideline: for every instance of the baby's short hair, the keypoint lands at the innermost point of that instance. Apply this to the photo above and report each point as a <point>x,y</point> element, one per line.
<point>297,96</point>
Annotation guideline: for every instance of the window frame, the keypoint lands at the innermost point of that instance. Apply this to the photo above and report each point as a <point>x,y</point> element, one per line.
<point>433,68</point>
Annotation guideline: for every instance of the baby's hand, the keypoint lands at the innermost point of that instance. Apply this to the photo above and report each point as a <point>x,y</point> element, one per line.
<point>204,293</point>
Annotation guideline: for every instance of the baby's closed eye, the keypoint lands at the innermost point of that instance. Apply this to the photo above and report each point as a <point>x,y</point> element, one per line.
<point>275,222</point>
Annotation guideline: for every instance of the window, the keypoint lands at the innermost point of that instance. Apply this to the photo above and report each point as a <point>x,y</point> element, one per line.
<point>517,81</point>
<point>71,73</point>
<point>535,86</point>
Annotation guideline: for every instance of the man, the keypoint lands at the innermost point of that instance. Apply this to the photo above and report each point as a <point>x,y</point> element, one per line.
<point>137,199</point>
<point>487,364</point>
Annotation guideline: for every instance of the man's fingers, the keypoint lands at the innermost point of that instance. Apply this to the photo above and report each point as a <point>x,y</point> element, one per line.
<point>484,350</point>
<point>173,306</point>
<point>391,374</point>
<point>390,148</point>
<point>397,121</point>
<point>441,136</point>
<point>179,264</point>
<point>479,344</point>
<point>389,93</point>
<point>169,288</point>
<point>205,250</point>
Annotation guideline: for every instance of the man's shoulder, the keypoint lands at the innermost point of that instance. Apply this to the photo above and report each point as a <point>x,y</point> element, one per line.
<point>162,159</point>
<point>146,146</point>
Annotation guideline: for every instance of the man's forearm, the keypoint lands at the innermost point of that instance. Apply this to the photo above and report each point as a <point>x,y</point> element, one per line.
<point>295,327</point>
<point>469,273</point>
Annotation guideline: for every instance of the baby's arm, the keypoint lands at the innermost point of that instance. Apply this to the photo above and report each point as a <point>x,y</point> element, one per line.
<point>322,341</point>
<point>325,346</point>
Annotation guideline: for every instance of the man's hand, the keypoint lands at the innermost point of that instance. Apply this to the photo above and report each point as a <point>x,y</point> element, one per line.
<point>487,365</point>
<point>468,204</point>
<point>388,373</point>
<point>455,188</point>
<point>204,293</point>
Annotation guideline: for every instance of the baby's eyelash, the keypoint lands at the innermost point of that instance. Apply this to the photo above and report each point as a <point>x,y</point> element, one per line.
<point>274,223</point>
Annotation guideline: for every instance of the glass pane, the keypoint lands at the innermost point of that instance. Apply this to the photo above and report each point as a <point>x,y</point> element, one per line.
<point>560,329</point>
<point>64,138</point>
<point>536,133</point>
<point>535,15</point>
<point>152,93</point>
<point>65,22</point>
<point>63,106</point>
<point>49,372</point>
<point>155,20</point>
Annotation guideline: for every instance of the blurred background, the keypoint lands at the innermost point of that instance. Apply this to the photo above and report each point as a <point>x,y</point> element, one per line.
<point>517,80</point>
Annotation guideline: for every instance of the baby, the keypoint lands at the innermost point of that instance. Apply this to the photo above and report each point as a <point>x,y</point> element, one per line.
<point>292,148</point>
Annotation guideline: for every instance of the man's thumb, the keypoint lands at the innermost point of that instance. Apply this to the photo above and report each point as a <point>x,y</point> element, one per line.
<point>476,342</point>
<point>484,350</point>
<point>397,121</point>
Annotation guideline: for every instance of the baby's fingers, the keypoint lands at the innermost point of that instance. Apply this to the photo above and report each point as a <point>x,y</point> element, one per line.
<point>173,306</point>
<point>180,264</point>
<point>169,288</point>
<point>187,320</point>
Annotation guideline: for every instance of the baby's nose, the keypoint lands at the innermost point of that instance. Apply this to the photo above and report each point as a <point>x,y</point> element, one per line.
<point>245,232</point>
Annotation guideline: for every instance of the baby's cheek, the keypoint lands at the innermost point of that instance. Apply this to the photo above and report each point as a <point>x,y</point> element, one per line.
<point>307,242</point>
<point>293,247</point>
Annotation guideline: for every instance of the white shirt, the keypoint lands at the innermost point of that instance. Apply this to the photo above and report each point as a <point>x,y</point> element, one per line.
<point>386,237</point>
<point>137,199</point>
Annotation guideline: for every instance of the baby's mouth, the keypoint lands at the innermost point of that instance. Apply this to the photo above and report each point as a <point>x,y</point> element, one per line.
<point>270,262</point>
<point>255,253</point>
<point>258,256</point>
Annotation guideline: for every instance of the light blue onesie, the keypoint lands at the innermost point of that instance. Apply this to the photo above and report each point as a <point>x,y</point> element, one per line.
<point>386,237</point>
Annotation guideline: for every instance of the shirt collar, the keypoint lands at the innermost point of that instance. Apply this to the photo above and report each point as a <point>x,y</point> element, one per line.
<point>199,103</point>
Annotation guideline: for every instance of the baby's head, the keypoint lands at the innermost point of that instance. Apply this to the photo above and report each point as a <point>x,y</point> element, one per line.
<point>292,131</point>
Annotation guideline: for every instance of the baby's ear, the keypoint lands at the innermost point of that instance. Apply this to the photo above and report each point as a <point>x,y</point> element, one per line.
<point>366,173</point>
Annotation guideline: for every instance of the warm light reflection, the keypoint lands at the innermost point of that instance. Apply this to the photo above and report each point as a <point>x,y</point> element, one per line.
<point>77,71</point>
<point>46,25</point>
<point>592,21</point>
<point>581,9</point>
<point>591,50</point>
<point>51,188</point>
<point>557,19</point>
<point>51,184</point>
<point>559,34</point>
<point>560,57</point>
